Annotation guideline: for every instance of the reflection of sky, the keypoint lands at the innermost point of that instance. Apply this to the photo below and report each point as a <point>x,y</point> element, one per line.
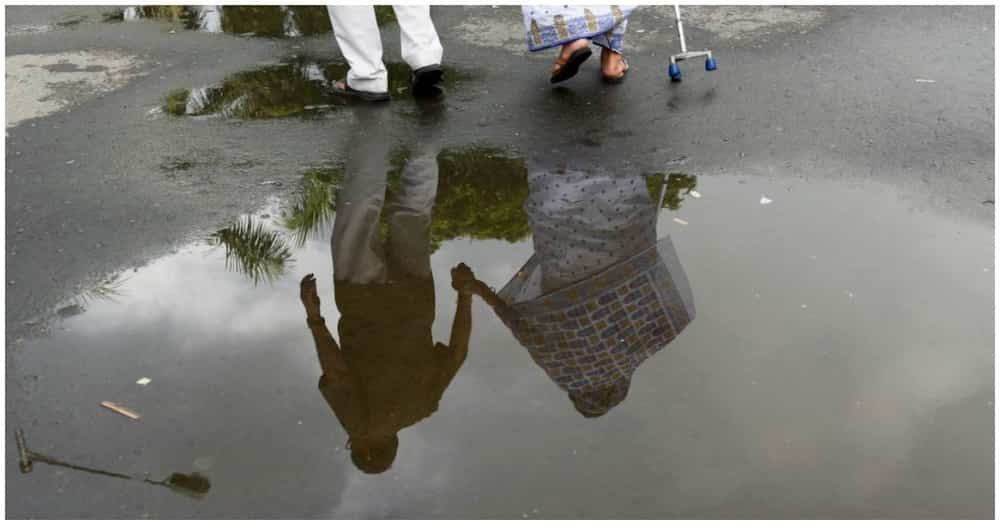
<point>871,399</point>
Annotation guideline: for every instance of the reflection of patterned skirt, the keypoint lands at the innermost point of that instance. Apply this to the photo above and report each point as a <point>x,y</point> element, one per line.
<point>596,332</point>
<point>550,26</point>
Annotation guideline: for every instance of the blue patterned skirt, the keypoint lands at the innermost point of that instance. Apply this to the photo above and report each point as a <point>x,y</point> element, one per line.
<point>550,26</point>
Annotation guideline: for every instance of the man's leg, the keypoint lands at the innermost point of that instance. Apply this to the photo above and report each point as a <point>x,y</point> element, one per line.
<point>410,214</point>
<point>418,38</point>
<point>358,254</point>
<point>359,40</point>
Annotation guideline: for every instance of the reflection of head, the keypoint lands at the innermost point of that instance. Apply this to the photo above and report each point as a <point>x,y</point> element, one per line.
<point>596,403</point>
<point>374,455</point>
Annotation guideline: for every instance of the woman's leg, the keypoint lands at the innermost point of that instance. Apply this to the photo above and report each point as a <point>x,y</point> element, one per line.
<point>567,51</point>
<point>613,64</point>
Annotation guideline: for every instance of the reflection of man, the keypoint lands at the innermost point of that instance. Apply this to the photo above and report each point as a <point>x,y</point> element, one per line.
<point>387,373</point>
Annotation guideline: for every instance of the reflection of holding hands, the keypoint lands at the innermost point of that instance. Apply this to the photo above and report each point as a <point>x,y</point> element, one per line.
<point>465,282</point>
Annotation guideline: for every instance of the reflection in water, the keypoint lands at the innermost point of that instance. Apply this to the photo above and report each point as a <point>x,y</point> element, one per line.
<point>194,484</point>
<point>283,90</point>
<point>481,196</point>
<point>386,373</point>
<point>109,289</point>
<point>316,203</point>
<point>297,86</point>
<point>264,20</point>
<point>600,295</point>
<point>480,192</point>
<point>260,254</point>
<point>675,184</point>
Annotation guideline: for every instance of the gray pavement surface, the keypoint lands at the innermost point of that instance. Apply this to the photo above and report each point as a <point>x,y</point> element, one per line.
<point>841,364</point>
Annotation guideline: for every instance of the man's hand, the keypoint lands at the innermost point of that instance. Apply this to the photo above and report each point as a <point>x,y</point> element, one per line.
<point>309,297</point>
<point>462,279</point>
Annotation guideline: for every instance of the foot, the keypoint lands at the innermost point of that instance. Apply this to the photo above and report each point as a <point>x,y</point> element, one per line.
<point>341,88</point>
<point>613,66</point>
<point>570,57</point>
<point>426,79</point>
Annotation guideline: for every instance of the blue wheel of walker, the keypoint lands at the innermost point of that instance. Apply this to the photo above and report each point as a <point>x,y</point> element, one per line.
<point>710,64</point>
<point>675,72</point>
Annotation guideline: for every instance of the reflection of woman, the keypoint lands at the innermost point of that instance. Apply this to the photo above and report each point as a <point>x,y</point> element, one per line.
<point>599,296</point>
<point>574,27</point>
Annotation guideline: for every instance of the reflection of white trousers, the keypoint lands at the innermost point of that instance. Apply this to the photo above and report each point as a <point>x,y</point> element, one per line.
<point>361,44</point>
<point>359,253</point>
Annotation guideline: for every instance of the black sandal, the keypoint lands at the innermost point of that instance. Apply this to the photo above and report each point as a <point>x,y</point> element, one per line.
<point>341,88</point>
<point>572,65</point>
<point>425,80</point>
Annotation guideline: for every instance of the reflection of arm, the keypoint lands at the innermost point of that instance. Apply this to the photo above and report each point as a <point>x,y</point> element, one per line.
<point>461,329</point>
<point>502,310</point>
<point>488,295</point>
<point>465,282</point>
<point>331,360</point>
<point>340,386</point>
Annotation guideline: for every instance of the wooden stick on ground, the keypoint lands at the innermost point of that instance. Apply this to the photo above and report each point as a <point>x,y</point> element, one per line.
<point>120,409</point>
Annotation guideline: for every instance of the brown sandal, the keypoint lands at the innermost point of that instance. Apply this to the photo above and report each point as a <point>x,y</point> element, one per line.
<point>571,66</point>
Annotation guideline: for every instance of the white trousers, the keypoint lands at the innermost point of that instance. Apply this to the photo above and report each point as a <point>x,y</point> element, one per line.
<point>361,43</point>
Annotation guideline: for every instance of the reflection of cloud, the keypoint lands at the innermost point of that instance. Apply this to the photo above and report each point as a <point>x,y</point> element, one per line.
<point>494,262</point>
<point>895,401</point>
<point>226,303</point>
<point>420,471</point>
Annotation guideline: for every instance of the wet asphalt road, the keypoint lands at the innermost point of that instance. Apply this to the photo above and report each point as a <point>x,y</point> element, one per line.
<point>788,400</point>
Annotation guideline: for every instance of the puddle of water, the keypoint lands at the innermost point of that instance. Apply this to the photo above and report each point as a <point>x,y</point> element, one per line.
<point>297,87</point>
<point>839,330</point>
<point>263,21</point>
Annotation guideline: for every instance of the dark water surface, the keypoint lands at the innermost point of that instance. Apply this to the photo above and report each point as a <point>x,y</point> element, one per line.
<point>838,365</point>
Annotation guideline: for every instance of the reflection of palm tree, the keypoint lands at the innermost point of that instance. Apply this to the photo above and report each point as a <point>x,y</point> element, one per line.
<point>109,290</point>
<point>253,251</point>
<point>316,205</point>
